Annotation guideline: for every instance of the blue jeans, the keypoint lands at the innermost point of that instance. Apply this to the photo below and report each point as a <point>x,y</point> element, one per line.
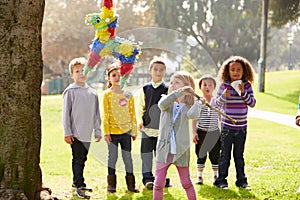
<point>79,153</point>
<point>148,148</point>
<point>125,143</point>
<point>235,138</point>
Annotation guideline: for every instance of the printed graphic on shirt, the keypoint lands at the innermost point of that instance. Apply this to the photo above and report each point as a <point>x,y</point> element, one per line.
<point>123,102</point>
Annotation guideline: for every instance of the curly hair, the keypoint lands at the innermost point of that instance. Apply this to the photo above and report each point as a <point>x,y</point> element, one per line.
<point>188,80</point>
<point>248,71</point>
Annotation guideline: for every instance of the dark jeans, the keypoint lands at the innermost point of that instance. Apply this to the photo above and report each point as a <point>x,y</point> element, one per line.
<point>125,141</point>
<point>148,149</point>
<point>79,153</point>
<point>209,142</point>
<point>235,138</point>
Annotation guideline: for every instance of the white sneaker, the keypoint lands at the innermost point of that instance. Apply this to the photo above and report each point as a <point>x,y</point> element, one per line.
<point>199,180</point>
<point>298,191</point>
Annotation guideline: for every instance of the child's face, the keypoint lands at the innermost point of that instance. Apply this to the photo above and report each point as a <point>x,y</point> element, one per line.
<point>158,72</point>
<point>78,76</point>
<point>207,87</point>
<point>114,77</point>
<point>176,84</point>
<point>235,71</point>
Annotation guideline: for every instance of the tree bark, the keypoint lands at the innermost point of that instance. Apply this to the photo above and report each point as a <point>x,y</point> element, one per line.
<point>21,67</point>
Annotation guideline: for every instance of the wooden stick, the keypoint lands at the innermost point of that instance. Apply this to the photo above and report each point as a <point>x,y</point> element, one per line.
<point>233,121</point>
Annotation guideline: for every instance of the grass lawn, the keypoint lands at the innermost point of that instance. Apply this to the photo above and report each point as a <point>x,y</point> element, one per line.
<point>271,154</point>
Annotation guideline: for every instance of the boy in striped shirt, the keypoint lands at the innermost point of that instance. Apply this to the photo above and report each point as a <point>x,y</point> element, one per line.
<point>206,132</point>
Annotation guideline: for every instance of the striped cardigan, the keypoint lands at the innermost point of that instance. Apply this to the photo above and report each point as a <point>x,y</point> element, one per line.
<point>235,106</point>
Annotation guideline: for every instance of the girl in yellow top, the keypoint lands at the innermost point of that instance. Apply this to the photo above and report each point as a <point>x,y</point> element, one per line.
<point>118,126</point>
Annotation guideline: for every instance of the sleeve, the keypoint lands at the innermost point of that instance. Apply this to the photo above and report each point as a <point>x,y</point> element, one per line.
<point>140,106</point>
<point>66,114</point>
<point>298,112</point>
<point>194,111</point>
<point>132,116</point>
<point>97,119</point>
<point>167,100</point>
<point>248,96</point>
<point>105,114</point>
<point>220,98</point>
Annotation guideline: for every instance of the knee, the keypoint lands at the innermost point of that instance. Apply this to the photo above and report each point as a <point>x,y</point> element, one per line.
<point>187,185</point>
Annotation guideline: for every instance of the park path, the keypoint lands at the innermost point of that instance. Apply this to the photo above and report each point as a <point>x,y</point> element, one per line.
<point>288,120</point>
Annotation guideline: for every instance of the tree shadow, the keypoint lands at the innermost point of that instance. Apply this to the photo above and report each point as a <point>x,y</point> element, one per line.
<point>291,97</point>
<point>212,192</point>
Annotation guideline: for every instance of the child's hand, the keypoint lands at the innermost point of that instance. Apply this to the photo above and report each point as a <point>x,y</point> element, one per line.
<point>69,139</point>
<point>107,138</point>
<point>242,88</point>
<point>226,93</point>
<point>133,137</point>
<point>98,138</point>
<point>298,121</point>
<point>195,138</point>
<point>187,90</point>
<point>141,128</point>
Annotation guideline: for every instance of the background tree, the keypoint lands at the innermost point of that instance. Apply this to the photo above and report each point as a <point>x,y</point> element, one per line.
<point>20,95</point>
<point>221,28</point>
<point>284,11</point>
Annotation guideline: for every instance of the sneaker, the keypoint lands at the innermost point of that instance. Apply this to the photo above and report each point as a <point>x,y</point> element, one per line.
<point>80,193</point>
<point>245,186</point>
<point>222,186</point>
<point>199,180</point>
<point>84,187</point>
<point>149,185</point>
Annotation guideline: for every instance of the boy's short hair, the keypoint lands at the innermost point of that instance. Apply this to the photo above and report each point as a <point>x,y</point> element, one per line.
<point>207,77</point>
<point>76,61</point>
<point>158,60</point>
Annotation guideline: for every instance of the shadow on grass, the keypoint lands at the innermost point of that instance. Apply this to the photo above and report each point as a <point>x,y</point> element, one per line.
<point>291,97</point>
<point>212,192</point>
<point>148,195</point>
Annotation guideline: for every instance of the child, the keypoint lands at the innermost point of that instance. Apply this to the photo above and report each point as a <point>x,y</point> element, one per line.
<point>298,124</point>
<point>118,127</point>
<point>206,130</point>
<point>148,118</point>
<point>80,119</point>
<point>173,146</point>
<point>235,68</point>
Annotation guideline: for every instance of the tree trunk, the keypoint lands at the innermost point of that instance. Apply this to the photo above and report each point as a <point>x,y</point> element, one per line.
<point>21,67</point>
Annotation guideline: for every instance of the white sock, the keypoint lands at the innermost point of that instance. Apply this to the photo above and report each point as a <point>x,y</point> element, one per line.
<point>216,173</point>
<point>200,174</point>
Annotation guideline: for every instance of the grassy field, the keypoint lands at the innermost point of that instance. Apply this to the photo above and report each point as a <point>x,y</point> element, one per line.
<point>271,154</point>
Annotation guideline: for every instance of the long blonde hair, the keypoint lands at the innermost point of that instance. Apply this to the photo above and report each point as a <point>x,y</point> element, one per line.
<point>188,80</point>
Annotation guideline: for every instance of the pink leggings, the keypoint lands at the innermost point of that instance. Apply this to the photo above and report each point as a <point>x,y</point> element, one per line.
<point>160,179</point>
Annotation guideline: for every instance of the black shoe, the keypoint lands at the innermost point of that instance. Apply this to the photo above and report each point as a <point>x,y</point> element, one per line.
<point>245,186</point>
<point>199,180</point>
<point>83,187</point>
<point>222,186</point>
<point>80,193</point>
<point>168,184</point>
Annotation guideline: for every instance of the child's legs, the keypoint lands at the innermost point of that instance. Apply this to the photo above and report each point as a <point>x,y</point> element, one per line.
<point>227,138</point>
<point>79,153</point>
<point>238,155</point>
<point>185,179</point>
<point>148,145</point>
<point>200,152</point>
<point>113,154</point>
<point>160,178</point>
<point>125,142</point>
<point>214,154</point>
